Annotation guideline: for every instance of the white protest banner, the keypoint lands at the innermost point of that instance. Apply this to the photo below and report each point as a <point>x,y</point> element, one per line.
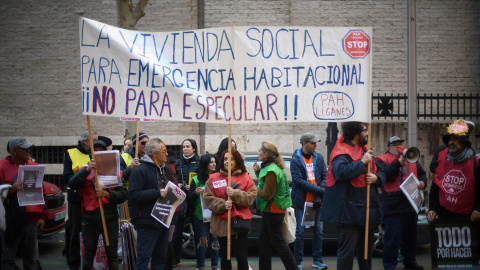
<point>232,75</point>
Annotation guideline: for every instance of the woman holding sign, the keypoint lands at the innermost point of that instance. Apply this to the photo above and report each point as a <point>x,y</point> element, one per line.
<point>273,198</point>
<point>202,226</point>
<point>242,194</point>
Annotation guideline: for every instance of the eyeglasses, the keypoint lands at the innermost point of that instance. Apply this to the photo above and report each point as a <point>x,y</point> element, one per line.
<point>163,151</point>
<point>365,130</point>
<point>143,143</point>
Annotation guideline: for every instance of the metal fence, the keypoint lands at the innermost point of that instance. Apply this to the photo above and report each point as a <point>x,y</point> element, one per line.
<point>429,106</point>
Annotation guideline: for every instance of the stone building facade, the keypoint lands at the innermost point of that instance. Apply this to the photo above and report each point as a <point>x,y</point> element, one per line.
<point>40,64</point>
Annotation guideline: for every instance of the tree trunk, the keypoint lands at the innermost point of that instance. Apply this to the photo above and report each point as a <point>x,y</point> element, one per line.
<point>128,16</point>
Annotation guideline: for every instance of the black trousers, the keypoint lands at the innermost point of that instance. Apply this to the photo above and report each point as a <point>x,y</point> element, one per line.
<point>351,241</point>
<point>73,227</point>
<point>239,248</point>
<point>271,235</point>
<point>90,233</point>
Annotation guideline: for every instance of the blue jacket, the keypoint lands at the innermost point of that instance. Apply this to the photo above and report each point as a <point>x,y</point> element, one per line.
<point>344,204</point>
<point>144,190</point>
<point>300,185</point>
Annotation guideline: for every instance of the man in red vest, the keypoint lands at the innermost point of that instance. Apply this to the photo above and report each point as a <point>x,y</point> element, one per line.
<point>345,199</point>
<point>23,222</point>
<point>399,216</point>
<point>456,184</point>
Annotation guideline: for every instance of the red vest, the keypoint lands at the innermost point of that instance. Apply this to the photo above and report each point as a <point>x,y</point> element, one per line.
<point>405,171</point>
<point>9,175</point>
<point>456,183</point>
<point>356,154</point>
<point>90,199</point>
<point>218,185</point>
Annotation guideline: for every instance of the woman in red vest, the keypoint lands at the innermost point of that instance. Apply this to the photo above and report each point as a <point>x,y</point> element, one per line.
<point>242,195</point>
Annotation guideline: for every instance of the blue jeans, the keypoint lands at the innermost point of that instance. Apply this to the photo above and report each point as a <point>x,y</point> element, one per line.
<point>300,234</point>
<point>202,230</point>
<point>400,228</point>
<point>152,243</point>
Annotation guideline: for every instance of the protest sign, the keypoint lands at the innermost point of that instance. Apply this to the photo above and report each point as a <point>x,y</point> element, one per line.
<point>108,168</point>
<point>232,75</point>
<point>31,177</point>
<point>454,243</point>
<point>309,214</point>
<point>409,187</point>
<point>164,208</point>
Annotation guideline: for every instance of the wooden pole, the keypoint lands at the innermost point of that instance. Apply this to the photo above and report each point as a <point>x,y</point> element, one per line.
<point>92,150</point>
<point>229,220</point>
<point>138,139</point>
<point>367,217</point>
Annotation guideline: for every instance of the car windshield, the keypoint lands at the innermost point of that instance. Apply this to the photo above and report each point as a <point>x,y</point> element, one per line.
<point>251,159</point>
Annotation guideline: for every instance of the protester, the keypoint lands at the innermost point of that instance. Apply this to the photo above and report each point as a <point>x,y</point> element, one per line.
<point>399,215</point>
<point>147,184</point>
<point>202,229</point>
<point>108,142</point>
<point>273,198</point>
<point>92,225</point>
<point>344,202</point>
<point>22,222</point>
<point>222,147</point>
<point>127,144</point>
<point>242,195</point>
<point>186,167</point>
<point>308,183</point>
<point>457,160</point>
<point>128,161</point>
<point>75,159</point>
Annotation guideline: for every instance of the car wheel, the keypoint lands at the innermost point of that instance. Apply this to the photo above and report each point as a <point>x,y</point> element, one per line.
<point>378,242</point>
<point>188,241</point>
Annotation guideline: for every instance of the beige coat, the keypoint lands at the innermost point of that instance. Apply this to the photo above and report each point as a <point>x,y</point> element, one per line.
<point>218,227</point>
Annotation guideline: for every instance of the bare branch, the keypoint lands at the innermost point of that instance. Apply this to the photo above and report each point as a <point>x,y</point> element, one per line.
<point>138,12</point>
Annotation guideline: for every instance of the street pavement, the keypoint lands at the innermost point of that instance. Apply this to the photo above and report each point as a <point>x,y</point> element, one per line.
<point>50,249</point>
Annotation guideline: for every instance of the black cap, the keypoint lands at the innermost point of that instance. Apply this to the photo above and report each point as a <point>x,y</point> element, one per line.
<point>394,139</point>
<point>141,135</point>
<point>106,140</point>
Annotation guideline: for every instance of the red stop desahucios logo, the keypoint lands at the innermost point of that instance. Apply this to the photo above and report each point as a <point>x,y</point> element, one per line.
<point>356,44</point>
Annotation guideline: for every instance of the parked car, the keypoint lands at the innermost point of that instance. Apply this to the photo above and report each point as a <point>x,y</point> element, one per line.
<point>329,230</point>
<point>56,209</point>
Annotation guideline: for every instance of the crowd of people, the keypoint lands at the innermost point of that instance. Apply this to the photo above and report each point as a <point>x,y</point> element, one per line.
<point>338,195</point>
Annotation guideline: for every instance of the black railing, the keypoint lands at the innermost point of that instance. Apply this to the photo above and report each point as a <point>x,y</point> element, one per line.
<point>429,106</point>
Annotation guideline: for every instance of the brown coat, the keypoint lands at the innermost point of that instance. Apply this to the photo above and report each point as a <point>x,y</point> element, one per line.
<point>218,227</point>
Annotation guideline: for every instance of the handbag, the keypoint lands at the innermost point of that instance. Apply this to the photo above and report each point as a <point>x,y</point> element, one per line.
<point>242,226</point>
<point>289,225</point>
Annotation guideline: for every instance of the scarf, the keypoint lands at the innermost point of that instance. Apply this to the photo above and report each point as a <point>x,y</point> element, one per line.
<point>466,154</point>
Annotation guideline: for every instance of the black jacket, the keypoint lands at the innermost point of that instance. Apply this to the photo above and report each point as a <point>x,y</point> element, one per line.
<point>118,195</point>
<point>397,202</point>
<point>146,180</point>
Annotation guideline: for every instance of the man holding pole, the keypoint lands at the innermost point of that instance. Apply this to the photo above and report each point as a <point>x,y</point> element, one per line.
<point>345,200</point>
<point>399,216</point>
<point>129,160</point>
<point>75,159</point>
<point>91,218</point>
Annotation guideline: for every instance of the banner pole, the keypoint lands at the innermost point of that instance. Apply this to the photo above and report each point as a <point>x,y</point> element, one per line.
<point>229,219</point>
<point>138,139</point>
<point>367,217</point>
<point>92,151</point>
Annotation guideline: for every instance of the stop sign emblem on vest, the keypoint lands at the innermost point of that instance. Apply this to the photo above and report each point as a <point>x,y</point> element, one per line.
<point>356,44</point>
<point>454,181</point>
